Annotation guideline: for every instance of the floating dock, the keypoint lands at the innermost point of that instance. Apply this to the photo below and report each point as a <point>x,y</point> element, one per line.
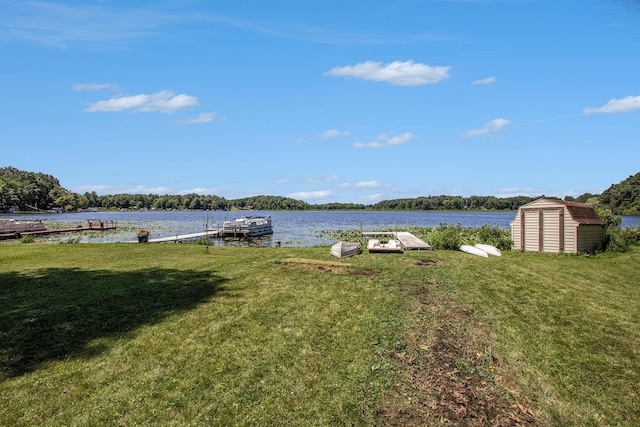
<point>408,241</point>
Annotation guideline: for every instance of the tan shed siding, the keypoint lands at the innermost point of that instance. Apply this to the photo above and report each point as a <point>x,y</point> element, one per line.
<point>590,238</point>
<point>551,230</point>
<point>516,234</point>
<point>570,234</point>
<point>531,231</point>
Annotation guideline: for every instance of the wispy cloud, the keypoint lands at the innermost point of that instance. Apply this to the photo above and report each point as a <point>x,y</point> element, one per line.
<point>493,126</point>
<point>200,190</point>
<point>525,191</point>
<point>315,180</point>
<point>95,87</point>
<point>361,184</point>
<point>202,118</point>
<point>311,195</point>
<point>333,133</point>
<point>164,101</point>
<point>108,189</point>
<point>486,81</point>
<point>100,25</point>
<point>615,106</point>
<point>397,73</point>
<point>385,140</point>
<point>372,198</point>
<point>87,25</point>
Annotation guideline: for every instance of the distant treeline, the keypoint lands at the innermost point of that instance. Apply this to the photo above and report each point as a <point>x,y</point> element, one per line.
<point>31,191</point>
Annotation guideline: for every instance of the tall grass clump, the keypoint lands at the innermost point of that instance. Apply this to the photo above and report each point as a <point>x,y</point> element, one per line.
<point>27,238</point>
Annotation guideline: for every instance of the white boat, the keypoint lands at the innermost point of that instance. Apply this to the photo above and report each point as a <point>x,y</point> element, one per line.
<point>345,249</point>
<point>474,251</point>
<point>248,226</point>
<point>392,246</point>
<point>490,249</point>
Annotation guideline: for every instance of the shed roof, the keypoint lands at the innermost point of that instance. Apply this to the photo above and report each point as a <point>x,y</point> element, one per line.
<point>582,214</point>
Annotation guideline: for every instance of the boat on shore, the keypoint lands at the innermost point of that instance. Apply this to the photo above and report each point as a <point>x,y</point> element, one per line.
<point>249,226</point>
<point>345,249</point>
<point>392,246</point>
<point>472,250</point>
<point>489,249</point>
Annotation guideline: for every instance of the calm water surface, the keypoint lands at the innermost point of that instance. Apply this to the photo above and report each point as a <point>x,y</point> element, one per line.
<point>292,228</point>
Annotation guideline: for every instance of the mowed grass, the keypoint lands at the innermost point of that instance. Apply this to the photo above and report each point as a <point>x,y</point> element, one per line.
<point>129,334</point>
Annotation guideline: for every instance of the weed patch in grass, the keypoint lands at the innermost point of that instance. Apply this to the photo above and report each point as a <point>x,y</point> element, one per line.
<point>327,267</point>
<point>449,374</point>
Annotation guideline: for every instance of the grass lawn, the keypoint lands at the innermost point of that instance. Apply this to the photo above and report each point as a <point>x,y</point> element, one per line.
<point>128,334</point>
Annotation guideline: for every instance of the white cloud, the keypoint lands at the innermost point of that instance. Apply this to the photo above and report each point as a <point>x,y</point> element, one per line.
<point>493,126</point>
<point>361,184</point>
<point>486,81</point>
<point>624,105</point>
<point>526,192</point>
<point>385,140</point>
<point>327,178</point>
<point>311,195</point>
<point>200,190</point>
<point>397,73</point>
<point>95,86</point>
<point>108,189</point>
<point>372,198</point>
<point>202,118</point>
<point>333,133</point>
<point>164,101</point>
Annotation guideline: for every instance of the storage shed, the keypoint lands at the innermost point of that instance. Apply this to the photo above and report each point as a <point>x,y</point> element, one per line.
<point>557,226</point>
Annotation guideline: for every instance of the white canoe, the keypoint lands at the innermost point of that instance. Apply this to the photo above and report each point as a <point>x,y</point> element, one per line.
<point>474,251</point>
<point>490,249</point>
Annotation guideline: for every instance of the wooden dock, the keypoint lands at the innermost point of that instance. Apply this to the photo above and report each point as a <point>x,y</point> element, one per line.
<point>94,225</point>
<point>408,241</point>
<point>179,238</point>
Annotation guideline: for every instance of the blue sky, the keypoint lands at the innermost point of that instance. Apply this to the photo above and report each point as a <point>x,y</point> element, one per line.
<point>323,101</point>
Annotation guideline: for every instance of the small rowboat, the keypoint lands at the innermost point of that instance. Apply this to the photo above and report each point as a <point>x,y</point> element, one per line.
<point>345,249</point>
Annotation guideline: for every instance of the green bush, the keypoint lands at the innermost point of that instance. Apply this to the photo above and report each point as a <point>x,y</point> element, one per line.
<point>618,239</point>
<point>496,236</point>
<point>447,236</point>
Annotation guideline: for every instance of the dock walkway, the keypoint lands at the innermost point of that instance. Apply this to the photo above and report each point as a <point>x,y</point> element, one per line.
<point>178,238</point>
<point>408,241</point>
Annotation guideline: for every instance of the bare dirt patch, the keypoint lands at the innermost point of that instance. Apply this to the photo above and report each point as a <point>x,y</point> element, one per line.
<point>424,261</point>
<point>327,267</point>
<point>449,374</point>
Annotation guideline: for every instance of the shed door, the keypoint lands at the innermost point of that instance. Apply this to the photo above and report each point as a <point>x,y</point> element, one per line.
<point>531,230</point>
<point>551,230</point>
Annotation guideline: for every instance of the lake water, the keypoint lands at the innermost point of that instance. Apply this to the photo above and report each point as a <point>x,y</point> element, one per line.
<point>292,228</point>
